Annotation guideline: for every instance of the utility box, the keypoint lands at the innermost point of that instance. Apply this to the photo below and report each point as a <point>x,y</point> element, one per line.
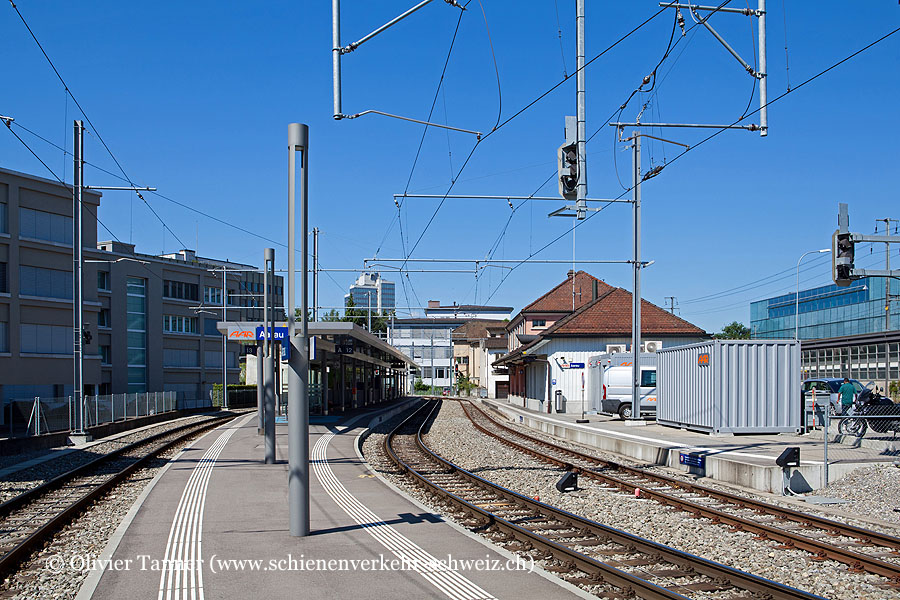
<point>731,386</point>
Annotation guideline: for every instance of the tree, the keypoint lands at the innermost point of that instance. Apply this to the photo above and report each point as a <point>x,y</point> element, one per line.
<point>420,386</point>
<point>734,331</point>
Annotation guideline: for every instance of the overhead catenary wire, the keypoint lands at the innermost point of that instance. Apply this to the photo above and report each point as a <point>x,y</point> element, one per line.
<point>718,131</point>
<point>90,123</point>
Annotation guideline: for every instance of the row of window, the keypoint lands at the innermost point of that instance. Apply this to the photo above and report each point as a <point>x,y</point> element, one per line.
<point>439,333</point>
<point>181,290</point>
<point>41,225</point>
<point>179,324</point>
<point>46,283</point>
<point>45,339</point>
<point>4,282</point>
<point>426,352</point>
<point>439,372</point>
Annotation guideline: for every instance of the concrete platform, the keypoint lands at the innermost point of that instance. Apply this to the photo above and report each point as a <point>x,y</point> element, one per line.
<point>215,525</point>
<point>743,460</point>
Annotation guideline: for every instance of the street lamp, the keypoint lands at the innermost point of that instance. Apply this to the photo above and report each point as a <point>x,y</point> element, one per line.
<point>797,297</point>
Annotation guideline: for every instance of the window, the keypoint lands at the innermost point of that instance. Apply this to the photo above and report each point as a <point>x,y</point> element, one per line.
<point>539,322</point>
<point>46,283</point>
<point>4,219</point>
<point>179,324</point>
<point>104,355</point>
<point>648,379</point>
<point>209,327</point>
<point>136,304</point>
<point>40,225</point>
<point>212,295</point>
<point>45,339</point>
<point>181,290</point>
<point>4,336</point>
<point>103,319</point>
<point>180,358</point>
<point>103,280</point>
<point>4,283</point>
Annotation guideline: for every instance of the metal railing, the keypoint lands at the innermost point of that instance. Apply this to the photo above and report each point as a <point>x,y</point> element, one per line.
<point>48,415</point>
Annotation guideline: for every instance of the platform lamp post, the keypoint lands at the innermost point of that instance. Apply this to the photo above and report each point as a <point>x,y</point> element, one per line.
<point>298,373</point>
<point>78,332</point>
<point>797,298</point>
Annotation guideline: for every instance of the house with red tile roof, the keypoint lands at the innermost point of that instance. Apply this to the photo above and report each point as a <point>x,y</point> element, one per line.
<point>540,363</point>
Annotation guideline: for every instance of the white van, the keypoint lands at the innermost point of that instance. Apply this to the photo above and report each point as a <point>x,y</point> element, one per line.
<point>615,391</point>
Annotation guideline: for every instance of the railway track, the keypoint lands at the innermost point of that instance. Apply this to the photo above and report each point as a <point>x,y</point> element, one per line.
<point>28,520</point>
<point>608,561</point>
<point>824,538</point>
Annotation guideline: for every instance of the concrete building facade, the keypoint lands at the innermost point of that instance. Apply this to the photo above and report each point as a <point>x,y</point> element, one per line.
<point>476,345</point>
<point>149,321</point>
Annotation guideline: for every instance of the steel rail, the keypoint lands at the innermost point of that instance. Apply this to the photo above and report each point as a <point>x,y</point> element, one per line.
<point>602,572</point>
<point>856,560</point>
<point>10,560</point>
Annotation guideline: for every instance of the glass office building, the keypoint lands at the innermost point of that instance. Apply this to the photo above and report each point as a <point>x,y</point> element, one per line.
<point>826,312</point>
<point>842,330</point>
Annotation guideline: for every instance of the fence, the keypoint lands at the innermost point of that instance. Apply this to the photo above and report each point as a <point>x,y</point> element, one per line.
<point>866,433</point>
<point>45,415</point>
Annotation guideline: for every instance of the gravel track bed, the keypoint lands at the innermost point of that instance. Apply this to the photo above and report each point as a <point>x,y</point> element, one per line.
<point>86,536</point>
<point>21,481</point>
<point>455,438</point>
<point>871,490</point>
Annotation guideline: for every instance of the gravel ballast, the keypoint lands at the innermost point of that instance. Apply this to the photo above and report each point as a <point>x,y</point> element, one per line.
<point>453,436</point>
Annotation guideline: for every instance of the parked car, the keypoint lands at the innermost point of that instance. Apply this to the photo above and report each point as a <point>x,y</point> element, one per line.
<point>826,391</point>
<point>615,396</point>
<point>445,391</point>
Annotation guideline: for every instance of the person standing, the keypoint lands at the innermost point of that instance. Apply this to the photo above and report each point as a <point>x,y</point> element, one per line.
<point>847,392</point>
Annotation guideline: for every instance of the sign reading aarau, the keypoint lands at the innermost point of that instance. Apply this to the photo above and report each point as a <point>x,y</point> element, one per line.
<point>278,333</point>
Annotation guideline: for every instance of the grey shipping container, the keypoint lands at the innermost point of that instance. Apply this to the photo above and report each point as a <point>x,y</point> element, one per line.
<point>731,386</point>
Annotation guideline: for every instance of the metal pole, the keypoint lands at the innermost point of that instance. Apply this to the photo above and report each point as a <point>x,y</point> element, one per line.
<point>636,295</point>
<point>260,390</point>
<point>261,349</point>
<point>298,374</point>
<point>78,292</point>
<point>269,367</point>
<point>763,96</point>
<point>224,340</point>
<point>827,425</point>
<point>335,56</point>
<point>315,273</point>
<point>581,191</point>
<point>369,311</point>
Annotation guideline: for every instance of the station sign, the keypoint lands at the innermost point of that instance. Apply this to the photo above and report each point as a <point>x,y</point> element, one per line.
<point>692,459</point>
<point>279,334</point>
<point>343,348</point>
<point>572,365</point>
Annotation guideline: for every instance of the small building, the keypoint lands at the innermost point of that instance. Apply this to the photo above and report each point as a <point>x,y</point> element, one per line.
<point>556,359</point>
<point>476,345</point>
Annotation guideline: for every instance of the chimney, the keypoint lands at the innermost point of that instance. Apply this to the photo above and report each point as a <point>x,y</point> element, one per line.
<point>570,274</point>
<point>434,304</point>
<point>594,290</point>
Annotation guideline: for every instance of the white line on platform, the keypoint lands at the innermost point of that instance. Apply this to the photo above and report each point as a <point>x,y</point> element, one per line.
<point>450,582</point>
<point>182,575</point>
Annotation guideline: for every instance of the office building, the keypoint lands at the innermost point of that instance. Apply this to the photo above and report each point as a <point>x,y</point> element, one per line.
<point>149,321</point>
<point>372,290</point>
<point>843,330</point>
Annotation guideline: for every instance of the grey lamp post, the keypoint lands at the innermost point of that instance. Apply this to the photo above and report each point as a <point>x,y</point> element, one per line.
<point>797,298</point>
<point>298,374</point>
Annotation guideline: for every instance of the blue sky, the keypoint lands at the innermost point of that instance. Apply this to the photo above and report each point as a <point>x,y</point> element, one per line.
<point>195,99</point>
